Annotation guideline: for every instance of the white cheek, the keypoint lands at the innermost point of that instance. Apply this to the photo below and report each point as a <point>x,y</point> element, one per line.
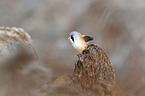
<point>71,41</point>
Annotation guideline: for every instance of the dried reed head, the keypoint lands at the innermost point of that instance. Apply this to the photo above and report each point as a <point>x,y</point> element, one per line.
<point>93,65</point>
<point>9,37</point>
<point>20,72</point>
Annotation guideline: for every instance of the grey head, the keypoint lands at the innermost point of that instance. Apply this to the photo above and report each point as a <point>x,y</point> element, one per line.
<point>76,35</point>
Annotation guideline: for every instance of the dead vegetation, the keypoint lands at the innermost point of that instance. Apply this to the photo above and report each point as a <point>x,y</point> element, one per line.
<point>21,74</point>
<point>10,37</point>
<point>93,65</point>
<point>116,25</point>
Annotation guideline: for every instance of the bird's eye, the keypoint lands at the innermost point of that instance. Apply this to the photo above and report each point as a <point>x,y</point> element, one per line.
<point>72,38</point>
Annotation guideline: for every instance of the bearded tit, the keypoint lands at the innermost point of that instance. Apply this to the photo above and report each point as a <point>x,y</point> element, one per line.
<point>79,41</point>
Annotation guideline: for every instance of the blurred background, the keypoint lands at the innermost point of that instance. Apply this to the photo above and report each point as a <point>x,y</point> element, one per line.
<point>118,26</point>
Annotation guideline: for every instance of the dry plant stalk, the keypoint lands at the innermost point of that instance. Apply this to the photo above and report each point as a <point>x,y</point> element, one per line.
<point>93,65</point>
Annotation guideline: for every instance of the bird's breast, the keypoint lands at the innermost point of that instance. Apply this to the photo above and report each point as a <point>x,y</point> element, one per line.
<point>80,45</point>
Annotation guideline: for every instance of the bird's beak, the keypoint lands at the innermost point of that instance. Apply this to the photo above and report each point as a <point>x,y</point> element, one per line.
<point>69,38</point>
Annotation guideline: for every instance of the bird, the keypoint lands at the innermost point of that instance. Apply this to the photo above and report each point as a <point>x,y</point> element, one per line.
<point>79,41</point>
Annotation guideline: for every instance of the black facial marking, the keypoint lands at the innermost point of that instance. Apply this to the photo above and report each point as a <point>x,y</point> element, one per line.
<point>72,38</point>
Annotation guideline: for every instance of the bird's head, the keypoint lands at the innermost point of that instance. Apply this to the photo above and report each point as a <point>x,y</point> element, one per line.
<point>79,41</point>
